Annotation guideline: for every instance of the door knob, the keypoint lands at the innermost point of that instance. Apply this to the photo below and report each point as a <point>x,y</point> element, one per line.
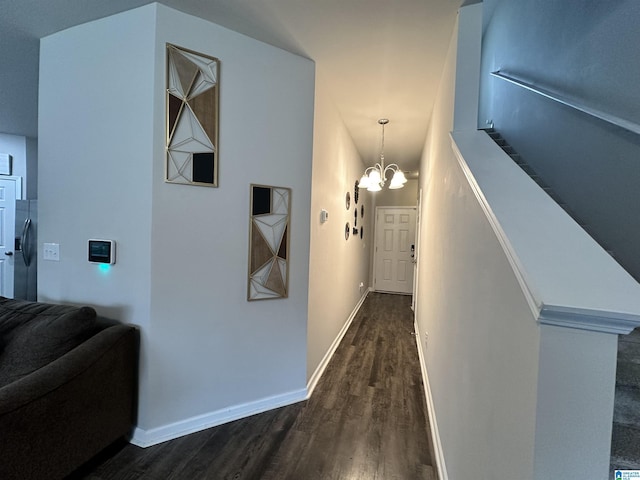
<point>8,254</point>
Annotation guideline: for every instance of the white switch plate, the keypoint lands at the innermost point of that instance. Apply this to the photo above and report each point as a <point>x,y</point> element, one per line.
<point>51,252</point>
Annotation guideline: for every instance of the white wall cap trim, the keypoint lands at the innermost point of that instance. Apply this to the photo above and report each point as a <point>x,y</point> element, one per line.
<point>612,322</point>
<point>567,278</point>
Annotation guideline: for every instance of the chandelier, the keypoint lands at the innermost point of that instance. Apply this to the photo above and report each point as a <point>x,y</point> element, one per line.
<point>375,177</point>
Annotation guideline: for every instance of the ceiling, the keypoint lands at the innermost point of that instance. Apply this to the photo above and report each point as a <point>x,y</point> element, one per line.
<point>376,58</point>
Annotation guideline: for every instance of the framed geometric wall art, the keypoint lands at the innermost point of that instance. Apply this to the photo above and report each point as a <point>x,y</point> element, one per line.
<point>269,242</point>
<point>192,117</point>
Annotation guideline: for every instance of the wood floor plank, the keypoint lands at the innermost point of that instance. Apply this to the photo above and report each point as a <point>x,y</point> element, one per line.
<point>365,420</point>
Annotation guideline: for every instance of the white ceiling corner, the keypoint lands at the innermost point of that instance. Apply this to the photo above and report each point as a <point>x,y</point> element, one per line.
<point>379,58</point>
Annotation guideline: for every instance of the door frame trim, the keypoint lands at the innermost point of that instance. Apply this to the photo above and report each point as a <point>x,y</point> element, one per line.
<point>416,264</point>
<point>8,263</point>
<point>18,181</point>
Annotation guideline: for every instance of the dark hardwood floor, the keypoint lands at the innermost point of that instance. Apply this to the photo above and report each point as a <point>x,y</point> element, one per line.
<point>365,420</point>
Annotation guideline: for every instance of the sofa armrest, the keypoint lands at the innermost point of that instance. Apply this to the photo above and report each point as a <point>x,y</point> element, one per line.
<point>61,415</point>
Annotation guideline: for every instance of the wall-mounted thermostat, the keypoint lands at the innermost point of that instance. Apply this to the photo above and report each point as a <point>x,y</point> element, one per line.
<point>102,251</point>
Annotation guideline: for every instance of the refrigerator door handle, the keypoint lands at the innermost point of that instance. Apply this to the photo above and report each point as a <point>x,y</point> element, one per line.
<point>26,253</point>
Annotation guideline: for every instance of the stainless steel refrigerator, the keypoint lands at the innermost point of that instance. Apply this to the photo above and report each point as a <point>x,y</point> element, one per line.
<point>26,250</point>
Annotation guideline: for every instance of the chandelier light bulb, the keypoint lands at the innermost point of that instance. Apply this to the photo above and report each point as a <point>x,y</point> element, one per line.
<point>364,182</point>
<point>400,176</point>
<point>395,183</point>
<point>374,187</point>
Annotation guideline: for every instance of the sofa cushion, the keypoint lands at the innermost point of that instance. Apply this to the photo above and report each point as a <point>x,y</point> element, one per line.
<point>35,334</point>
<point>16,312</point>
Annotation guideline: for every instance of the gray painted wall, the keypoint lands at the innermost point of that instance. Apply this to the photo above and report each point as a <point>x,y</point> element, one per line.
<point>587,50</point>
<point>481,354</point>
<point>336,266</point>
<point>506,394</point>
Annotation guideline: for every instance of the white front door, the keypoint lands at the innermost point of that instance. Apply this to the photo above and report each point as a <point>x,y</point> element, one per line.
<point>7,235</point>
<point>394,245</point>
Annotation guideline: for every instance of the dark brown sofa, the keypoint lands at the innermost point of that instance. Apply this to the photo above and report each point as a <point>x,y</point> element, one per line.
<point>67,387</point>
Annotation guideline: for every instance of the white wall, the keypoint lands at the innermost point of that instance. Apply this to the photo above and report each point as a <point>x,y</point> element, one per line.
<point>482,351</point>
<point>96,157</point>
<point>208,355</point>
<point>96,165</point>
<point>404,197</point>
<point>467,81</point>
<point>337,266</point>
<point>230,351</point>
<point>509,390</point>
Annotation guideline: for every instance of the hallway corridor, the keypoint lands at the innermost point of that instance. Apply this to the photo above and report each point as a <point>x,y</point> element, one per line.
<point>365,420</point>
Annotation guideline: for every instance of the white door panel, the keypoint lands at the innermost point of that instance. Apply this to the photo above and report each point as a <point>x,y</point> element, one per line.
<point>7,235</point>
<point>393,261</point>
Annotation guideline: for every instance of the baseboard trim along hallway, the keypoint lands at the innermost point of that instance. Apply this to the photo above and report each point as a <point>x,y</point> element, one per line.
<point>313,381</point>
<point>154,436</point>
<point>435,434</point>
<point>367,418</point>
<point>148,438</point>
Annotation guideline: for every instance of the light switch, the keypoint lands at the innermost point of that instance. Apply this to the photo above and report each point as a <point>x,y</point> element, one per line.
<point>51,252</point>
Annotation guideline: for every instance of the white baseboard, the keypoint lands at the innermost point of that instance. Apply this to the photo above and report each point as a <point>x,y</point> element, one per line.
<point>433,424</point>
<point>147,438</point>
<point>313,381</point>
